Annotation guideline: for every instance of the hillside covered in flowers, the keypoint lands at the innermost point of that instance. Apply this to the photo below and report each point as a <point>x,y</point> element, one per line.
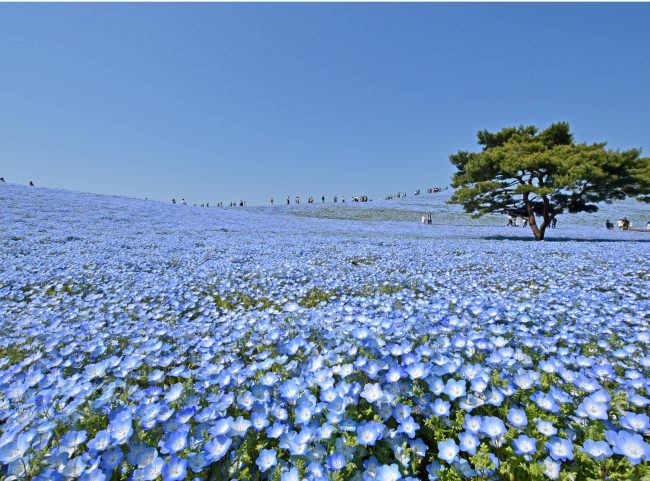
<point>148,341</point>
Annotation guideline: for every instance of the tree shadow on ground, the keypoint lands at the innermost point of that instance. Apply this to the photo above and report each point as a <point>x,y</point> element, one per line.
<point>562,239</point>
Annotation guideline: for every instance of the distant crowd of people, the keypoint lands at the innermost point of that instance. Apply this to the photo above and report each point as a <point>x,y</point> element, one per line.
<point>518,221</point>
<point>623,224</point>
<point>432,190</point>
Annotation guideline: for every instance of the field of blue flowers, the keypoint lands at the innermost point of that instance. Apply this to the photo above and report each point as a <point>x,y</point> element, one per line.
<point>147,341</point>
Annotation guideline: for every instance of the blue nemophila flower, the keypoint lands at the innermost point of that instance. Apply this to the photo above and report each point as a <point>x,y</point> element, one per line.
<point>525,445</point>
<point>348,425</point>
<point>494,397</point>
<point>387,472</point>
<point>156,376</point>
<point>73,439</point>
<point>493,427</point>
<point>434,468</point>
<point>401,412</point>
<point>560,449</point>
<point>14,450</point>
<point>290,475</point>
<point>336,462</point>
<point>217,448</point>
<point>598,450</point>
<point>455,389</point>
<point>174,392</point>
<point>436,385</point>
<point>146,457</point>
<point>175,469</point>
<point>239,427</point>
<point>592,409</point>
<point>546,428</point>
<point>418,447</point>
<point>417,370</point>
<point>372,393</point>
<point>545,401</point>
<point>266,459</point>
<point>550,468</point>
<point>222,426</point>
<point>110,459</point>
<point>328,395</point>
<point>259,421</point>
<point>324,431</point>
<point>368,433</point>
<point>394,374</point>
<point>523,380</point>
<point>206,414</point>
<point>632,446</point>
<point>315,470</point>
<point>185,415</point>
<point>303,413</point>
<point>639,401</point>
<point>94,475</point>
<point>289,390</point>
<point>447,450</point>
<point>408,426</point>
<point>275,431</point>
<point>468,442</point>
<point>100,442</point>
<point>177,440</point>
<point>479,384</point>
<point>473,423</point>
<point>197,461</point>
<point>440,407</point>
<point>279,412</point>
<point>269,379</point>
<point>517,417</point>
<point>636,422</point>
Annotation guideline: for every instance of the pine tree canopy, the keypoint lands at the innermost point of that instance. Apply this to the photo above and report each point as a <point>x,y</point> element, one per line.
<point>524,172</point>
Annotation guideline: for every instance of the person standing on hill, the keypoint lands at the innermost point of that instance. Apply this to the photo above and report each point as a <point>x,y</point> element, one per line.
<point>323,199</point>
<point>287,200</point>
<point>423,218</point>
<point>31,183</point>
<point>430,219</point>
<point>271,200</point>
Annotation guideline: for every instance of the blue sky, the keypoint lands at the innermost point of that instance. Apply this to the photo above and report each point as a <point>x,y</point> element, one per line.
<point>222,102</point>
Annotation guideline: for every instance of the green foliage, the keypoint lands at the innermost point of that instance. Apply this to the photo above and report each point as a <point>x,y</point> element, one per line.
<point>528,173</point>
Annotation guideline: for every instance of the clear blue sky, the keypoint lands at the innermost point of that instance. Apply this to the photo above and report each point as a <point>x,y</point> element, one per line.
<point>221,102</point>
